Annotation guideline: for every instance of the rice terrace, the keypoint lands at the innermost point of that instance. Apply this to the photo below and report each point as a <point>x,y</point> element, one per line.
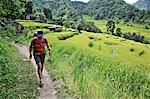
<point>69,49</point>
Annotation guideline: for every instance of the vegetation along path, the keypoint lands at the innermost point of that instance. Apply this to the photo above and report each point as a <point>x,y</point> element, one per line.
<point>47,91</point>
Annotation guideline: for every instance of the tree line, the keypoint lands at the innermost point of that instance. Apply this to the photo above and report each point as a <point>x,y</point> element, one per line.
<point>117,32</point>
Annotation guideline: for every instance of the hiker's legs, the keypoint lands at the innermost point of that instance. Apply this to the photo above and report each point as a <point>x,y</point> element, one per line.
<point>39,70</point>
<point>39,59</point>
<point>42,61</point>
<point>42,67</point>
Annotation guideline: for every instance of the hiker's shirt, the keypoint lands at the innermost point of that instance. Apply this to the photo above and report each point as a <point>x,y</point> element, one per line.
<point>38,45</point>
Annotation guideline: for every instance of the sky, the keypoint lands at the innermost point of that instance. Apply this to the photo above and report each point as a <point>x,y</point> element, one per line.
<point>128,1</point>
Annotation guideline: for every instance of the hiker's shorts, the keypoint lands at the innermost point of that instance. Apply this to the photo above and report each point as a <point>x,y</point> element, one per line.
<point>39,58</point>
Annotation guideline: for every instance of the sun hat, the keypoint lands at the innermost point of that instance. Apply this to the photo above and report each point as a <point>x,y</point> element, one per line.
<point>40,34</point>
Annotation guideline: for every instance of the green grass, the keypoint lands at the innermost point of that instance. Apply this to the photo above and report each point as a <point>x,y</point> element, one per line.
<point>88,75</point>
<point>112,68</point>
<point>138,28</point>
<point>28,23</point>
<point>112,46</point>
<point>107,70</point>
<point>17,75</point>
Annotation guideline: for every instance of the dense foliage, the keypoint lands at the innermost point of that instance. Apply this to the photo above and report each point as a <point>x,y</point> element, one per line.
<point>116,9</point>
<point>131,36</point>
<point>15,9</point>
<point>63,13</point>
<point>10,8</point>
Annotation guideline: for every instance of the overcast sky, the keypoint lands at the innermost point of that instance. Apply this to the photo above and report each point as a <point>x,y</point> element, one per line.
<point>128,1</point>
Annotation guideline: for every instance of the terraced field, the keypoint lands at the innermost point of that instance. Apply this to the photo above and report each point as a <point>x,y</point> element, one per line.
<point>129,27</point>
<point>106,45</point>
<point>95,66</point>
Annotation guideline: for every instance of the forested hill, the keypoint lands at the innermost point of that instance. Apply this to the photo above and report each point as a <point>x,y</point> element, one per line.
<point>64,9</point>
<point>61,9</point>
<point>143,4</point>
<point>80,6</point>
<point>106,9</point>
<point>99,9</point>
<point>64,13</point>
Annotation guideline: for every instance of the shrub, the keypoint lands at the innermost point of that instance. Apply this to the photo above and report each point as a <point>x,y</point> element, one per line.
<point>146,41</point>
<point>8,32</point>
<point>90,44</point>
<point>118,32</point>
<point>87,26</point>
<point>134,36</point>
<point>131,25</point>
<point>66,36</point>
<point>97,39</point>
<point>131,49</point>
<point>110,43</point>
<point>141,53</point>
<point>91,37</point>
<point>100,39</point>
<point>123,40</point>
<point>146,27</point>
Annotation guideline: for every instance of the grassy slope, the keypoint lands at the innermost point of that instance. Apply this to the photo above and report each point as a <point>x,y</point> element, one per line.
<point>97,72</point>
<point>135,28</point>
<point>84,69</point>
<point>88,75</point>
<point>32,23</point>
<point>118,48</point>
<point>17,76</point>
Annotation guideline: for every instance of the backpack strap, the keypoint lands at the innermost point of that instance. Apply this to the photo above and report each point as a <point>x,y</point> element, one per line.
<point>45,40</point>
<point>34,41</point>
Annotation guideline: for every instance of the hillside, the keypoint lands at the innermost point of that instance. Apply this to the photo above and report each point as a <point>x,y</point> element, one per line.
<point>97,65</point>
<point>143,4</point>
<point>99,50</point>
<point>99,9</point>
<point>117,9</point>
<point>60,8</point>
<point>78,5</point>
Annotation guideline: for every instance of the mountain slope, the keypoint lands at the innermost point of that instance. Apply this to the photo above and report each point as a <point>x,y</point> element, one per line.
<point>143,4</point>
<point>78,5</point>
<point>116,9</point>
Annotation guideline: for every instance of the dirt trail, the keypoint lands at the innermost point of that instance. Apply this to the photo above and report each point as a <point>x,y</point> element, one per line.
<point>47,91</point>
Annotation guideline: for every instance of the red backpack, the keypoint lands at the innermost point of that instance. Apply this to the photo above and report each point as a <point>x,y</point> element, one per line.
<point>39,45</point>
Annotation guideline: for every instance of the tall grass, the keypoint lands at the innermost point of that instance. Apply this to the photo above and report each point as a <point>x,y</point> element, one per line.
<point>87,75</point>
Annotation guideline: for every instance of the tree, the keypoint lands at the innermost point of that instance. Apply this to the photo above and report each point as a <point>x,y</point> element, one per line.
<point>48,13</point>
<point>10,8</point>
<point>110,26</point>
<point>99,16</point>
<point>80,26</point>
<point>118,32</point>
<point>28,8</point>
<point>66,24</point>
<point>134,36</point>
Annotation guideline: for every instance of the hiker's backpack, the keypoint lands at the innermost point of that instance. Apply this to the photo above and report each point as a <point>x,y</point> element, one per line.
<point>39,45</point>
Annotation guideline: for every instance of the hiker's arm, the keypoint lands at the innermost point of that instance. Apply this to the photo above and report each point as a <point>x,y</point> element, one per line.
<point>48,47</point>
<point>30,51</point>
